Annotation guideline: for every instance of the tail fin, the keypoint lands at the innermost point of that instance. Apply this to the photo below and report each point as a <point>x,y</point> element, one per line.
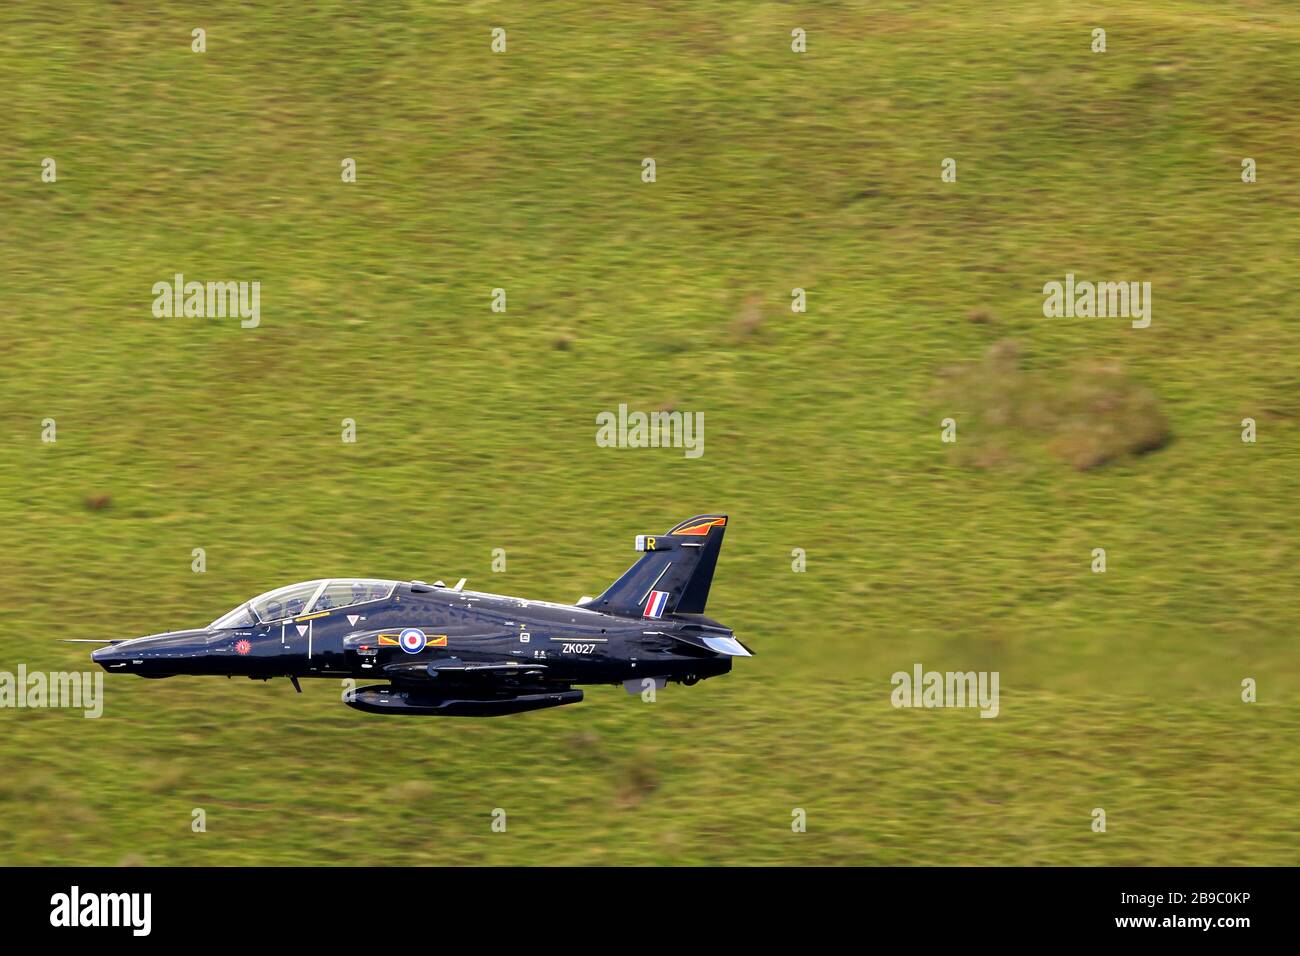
<point>673,576</point>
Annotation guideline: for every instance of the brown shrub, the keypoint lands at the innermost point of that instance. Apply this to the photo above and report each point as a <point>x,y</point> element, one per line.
<point>640,778</point>
<point>749,320</point>
<point>1086,414</point>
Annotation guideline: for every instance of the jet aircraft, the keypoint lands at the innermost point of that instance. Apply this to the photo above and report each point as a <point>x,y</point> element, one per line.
<point>450,651</point>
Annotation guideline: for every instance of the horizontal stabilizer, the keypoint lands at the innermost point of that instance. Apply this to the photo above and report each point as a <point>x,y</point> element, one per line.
<point>728,646</point>
<point>722,643</point>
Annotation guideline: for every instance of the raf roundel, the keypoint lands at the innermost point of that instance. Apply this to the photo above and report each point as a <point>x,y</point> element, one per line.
<point>412,640</point>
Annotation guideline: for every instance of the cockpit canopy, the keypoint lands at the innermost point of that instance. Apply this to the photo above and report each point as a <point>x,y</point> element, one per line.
<point>309,597</point>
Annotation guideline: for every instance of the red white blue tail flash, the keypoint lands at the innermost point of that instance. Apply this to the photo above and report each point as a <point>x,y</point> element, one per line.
<point>654,605</point>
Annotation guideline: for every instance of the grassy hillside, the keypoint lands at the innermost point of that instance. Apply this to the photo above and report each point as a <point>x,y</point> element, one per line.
<point>475,430</point>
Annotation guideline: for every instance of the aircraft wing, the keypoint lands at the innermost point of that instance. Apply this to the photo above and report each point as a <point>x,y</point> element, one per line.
<point>455,668</point>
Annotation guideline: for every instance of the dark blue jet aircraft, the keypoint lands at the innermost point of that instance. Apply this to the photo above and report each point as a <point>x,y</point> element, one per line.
<point>452,652</point>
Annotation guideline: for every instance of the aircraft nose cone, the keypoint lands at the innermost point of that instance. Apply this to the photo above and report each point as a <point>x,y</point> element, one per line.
<point>112,658</point>
<point>175,645</point>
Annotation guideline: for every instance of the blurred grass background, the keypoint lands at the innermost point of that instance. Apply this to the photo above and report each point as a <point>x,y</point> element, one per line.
<point>476,430</point>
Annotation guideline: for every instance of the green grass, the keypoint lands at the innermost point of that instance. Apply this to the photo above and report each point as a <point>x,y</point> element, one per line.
<point>476,430</point>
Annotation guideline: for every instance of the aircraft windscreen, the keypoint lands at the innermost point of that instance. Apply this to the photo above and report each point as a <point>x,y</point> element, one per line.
<point>239,617</point>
